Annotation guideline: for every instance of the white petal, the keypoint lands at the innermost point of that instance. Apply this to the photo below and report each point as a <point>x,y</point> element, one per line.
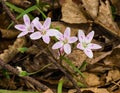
<point>46,39</point>
<point>26,19</point>
<point>35,35</point>
<point>47,23</point>
<point>56,33</point>
<point>37,18</point>
<point>94,46</point>
<point>80,46</point>
<point>88,52</point>
<point>67,48</point>
<point>72,39</point>
<point>53,32</point>
<point>81,36</point>
<point>57,45</point>
<point>22,34</point>
<point>89,37</point>
<point>67,32</point>
<point>20,27</point>
<point>37,24</point>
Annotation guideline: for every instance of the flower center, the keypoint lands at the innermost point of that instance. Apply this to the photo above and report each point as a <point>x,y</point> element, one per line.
<point>84,44</point>
<point>29,28</point>
<point>43,32</point>
<point>65,41</point>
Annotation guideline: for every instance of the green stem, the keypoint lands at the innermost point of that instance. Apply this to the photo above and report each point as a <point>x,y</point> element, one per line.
<point>60,84</point>
<point>40,69</point>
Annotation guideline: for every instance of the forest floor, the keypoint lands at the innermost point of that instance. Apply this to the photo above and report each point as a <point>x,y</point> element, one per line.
<point>32,66</point>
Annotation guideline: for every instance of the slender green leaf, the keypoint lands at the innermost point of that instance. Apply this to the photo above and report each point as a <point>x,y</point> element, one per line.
<point>60,84</point>
<point>72,65</point>
<point>81,85</point>
<point>83,65</point>
<point>15,8</point>
<point>32,8</point>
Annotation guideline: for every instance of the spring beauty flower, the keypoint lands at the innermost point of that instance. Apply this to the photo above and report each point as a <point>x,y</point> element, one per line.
<point>64,41</point>
<point>43,31</point>
<point>85,43</point>
<point>27,27</point>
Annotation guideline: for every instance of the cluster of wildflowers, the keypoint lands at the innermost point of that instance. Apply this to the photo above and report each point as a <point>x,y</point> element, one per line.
<point>64,40</point>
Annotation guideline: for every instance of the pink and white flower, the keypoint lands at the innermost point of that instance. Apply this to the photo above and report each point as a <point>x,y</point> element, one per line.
<point>27,27</point>
<point>43,31</point>
<point>64,41</point>
<point>85,43</point>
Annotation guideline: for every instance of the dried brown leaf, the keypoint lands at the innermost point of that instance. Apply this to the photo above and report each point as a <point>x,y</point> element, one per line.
<point>89,79</point>
<point>71,13</point>
<point>91,7</point>
<point>8,34</point>
<point>10,53</point>
<point>105,18</point>
<point>114,58</point>
<point>113,75</point>
<point>48,91</point>
<point>91,90</point>
<point>22,3</point>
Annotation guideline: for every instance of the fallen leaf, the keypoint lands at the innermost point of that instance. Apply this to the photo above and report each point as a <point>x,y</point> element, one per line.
<point>48,91</point>
<point>91,7</point>
<point>105,18</point>
<point>113,75</point>
<point>113,59</point>
<point>90,90</point>
<point>71,13</point>
<point>92,79</point>
<point>22,3</point>
<point>9,54</point>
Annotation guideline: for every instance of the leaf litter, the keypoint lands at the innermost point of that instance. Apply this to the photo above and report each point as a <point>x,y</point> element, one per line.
<point>104,68</point>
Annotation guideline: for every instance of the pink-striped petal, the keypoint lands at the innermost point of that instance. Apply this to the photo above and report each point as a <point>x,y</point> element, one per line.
<point>37,24</point>
<point>94,46</point>
<point>57,34</point>
<point>80,46</point>
<point>57,45</point>
<point>22,34</point>
<point>67,32</point>
<point>35,35</point>
<point>67,48</point>
<point>53,32</point>
<point>72,39</point>
<point>47,23</point>
<point>20,27</point>
<point>46,39</point>
<point>89,53</point>
<point>89,37</point>
<point>81,36</point>
<point>36,18</point>
<point>26,19</point>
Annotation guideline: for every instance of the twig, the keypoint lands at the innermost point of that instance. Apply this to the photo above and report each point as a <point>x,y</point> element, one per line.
<point>64,71</point>
<point>16,72</point>
<point>61,68</point>
<point>9,12</point>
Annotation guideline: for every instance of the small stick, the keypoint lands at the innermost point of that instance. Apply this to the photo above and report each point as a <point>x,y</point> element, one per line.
<point>60,67</point>
<point>16,72</point>
<point>66,74</point>
<point>9,12</point>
